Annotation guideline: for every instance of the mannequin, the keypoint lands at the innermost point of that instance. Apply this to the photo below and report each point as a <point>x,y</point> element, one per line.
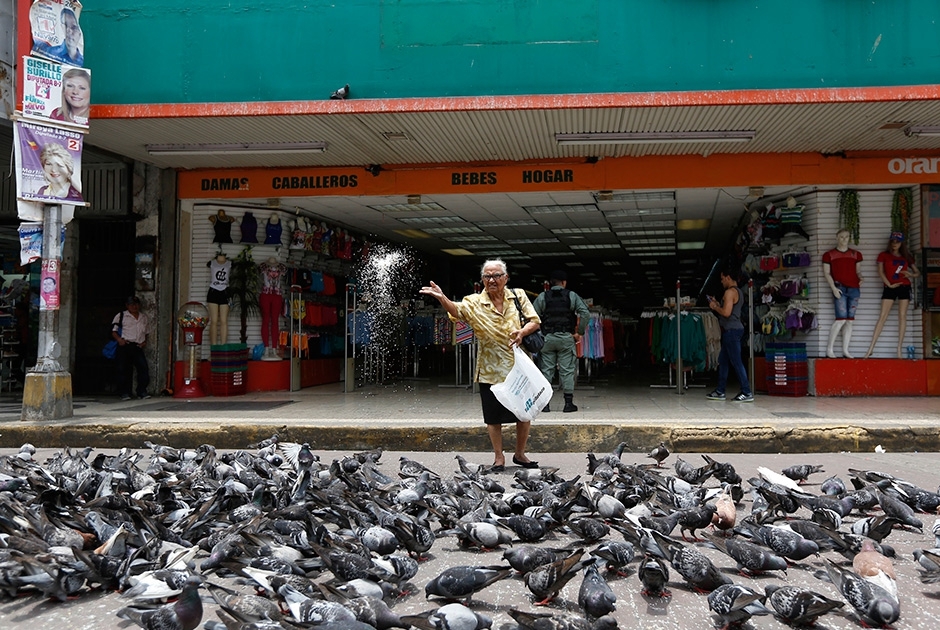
<point>271,301</point>
<point>223,227</point>
<point>842,266</point>
<point>272,231</point>
<point>297,235</point>
<point>249,228</point>
<point>220,269</point>
<point>896,268</point>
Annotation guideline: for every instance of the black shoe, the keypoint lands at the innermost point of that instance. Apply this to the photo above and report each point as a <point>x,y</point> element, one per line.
<point>519,462</point>
<point>497,468</point>
<point>546,410</point>
<point>569,407</point>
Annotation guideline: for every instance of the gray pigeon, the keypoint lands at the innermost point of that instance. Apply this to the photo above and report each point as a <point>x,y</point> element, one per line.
<point>595,596</point>
<point>873,604</point>
<point>735,603</point>
<point>617,555</point>
<point>752,559</point>
<point>801,472</point>
<point>653,573</point>
<point>525,558</point>
<point>183,614</point>
<point>462,582</point>
<point>449,617</point>
<point>659,453</point>
<point>799,606</point>
<point>547,580</point>
<point>697,569</point>
<point>560,620</point>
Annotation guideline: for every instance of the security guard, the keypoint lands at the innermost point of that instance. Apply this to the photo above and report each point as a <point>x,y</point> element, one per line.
<point>564,318</point>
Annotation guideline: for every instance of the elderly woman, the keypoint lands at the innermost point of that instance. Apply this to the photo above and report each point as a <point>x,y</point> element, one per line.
<point>495,320</point>
<point>57,167</point>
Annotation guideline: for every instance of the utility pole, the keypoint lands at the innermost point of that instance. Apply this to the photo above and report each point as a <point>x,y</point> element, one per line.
<point>47,393</point>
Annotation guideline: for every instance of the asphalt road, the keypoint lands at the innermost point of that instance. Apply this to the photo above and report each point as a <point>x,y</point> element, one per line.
<point>685,610</point>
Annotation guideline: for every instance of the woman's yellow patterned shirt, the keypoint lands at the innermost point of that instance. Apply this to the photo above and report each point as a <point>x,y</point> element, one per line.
<point>493,331</point>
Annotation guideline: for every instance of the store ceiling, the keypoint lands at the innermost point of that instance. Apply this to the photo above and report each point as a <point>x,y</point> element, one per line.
<point>625,252</point>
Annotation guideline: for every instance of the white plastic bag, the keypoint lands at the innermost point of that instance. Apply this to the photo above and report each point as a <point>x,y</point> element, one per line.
<point>525,392</point>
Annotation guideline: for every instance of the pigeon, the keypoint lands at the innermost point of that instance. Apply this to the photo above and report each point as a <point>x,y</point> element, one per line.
<point>341,94</point>
<point>874,605</point>
<point>183,614</point>
<point>752,559</point>
<point>449,617</point>
<point>692,519</point>
<point>244,604</point>
<point>595,596</point>
<point>723,471</point>
<point>547,580</point>
<point>726,512</point>
<point>801,472</point>
<point>527,528</point>
<point>875,527</point>
<point>899,510</point>
<point>307,610</point>
<point>525,558</point>
<point>481,534</point>
<point>929,560</point>
<point>617,555</point>
<point>874,567</point>
<point>461,582</point>
<point>690,474</point>
<point>785,542</point>
<point>734,604</point>
<point>659,454</point>
<point>697,569</point>
<point>560,620</point>
<point>833,486</point>
<point>653,573</point>
<point>799,606</point>
<point>588,529</point>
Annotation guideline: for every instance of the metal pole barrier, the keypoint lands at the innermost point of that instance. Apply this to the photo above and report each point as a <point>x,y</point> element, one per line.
<point>679,389</point>
<point>750,334</point>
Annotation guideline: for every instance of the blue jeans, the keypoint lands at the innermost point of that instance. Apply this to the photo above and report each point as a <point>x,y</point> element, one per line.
<point>730,355</point>
<point>846,305</point>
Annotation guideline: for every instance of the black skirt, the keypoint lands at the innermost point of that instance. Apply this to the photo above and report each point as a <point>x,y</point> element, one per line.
<point>493,411</point>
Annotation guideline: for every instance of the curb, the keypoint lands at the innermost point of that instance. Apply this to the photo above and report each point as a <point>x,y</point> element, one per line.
<point>545,438</point>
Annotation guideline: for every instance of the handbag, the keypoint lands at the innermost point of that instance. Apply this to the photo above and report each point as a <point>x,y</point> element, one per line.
<point>110,349</point>
<point>525,392</point>
<point>532,342</point>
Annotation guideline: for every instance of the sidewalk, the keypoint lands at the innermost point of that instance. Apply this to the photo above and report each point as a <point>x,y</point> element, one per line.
<point>423,415</point>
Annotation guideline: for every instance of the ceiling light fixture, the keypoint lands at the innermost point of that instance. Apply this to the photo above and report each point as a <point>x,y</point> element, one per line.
<point>578,207</point>
<point>516,223</point>
<point>690,245</point>
<point>236,148</point>
<point>654,137</point>
<point>922,131</point>
<point>411,207</point>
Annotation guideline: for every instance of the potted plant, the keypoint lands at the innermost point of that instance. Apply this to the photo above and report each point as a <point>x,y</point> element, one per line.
<point>245,286</point>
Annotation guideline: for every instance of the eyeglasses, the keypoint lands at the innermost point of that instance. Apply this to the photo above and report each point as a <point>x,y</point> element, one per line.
<point>493,276</point>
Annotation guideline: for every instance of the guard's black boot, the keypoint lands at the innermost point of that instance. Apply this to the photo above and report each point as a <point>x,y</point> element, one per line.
<point>546,410</point>
<point>569,404</point>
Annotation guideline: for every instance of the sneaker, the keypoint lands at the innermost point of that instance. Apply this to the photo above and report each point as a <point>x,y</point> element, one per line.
<point>126,397</point>
<point>742,397</point>
<point>716,395</point>
<point>145,396</point>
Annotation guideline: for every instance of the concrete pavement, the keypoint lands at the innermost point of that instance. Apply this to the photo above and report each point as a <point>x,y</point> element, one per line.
<point>425,415</point>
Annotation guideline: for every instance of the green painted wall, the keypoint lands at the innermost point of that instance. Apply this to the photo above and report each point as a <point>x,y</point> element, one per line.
<point>184,51</point>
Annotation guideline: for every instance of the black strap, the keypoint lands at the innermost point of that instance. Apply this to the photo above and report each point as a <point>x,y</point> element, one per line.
<point>522,320</point>
<point>120,329</point>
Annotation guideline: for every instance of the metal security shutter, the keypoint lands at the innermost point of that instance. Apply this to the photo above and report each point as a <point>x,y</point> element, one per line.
<point>875,226</point>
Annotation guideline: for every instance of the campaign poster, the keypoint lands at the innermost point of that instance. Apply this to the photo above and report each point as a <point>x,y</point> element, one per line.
<point>48,163</point>
<point>30,242</point>
<point>56,92</point>
<point>49,285</point>
<point>56,32</point>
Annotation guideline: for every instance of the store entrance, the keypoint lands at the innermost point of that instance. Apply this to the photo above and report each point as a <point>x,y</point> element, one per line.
<point>105,278</point>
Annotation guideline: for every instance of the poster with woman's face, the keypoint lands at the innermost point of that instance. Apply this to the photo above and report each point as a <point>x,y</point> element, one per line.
<point>48,162</point>
<point>55,92</point>
<point>56,32</point>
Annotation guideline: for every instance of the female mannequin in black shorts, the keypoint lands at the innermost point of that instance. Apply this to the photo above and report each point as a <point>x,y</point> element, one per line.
<point>220,269</point>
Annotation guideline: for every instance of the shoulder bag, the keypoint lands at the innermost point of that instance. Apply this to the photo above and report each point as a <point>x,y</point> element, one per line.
<point>110,349</point>
<point>533,342</point>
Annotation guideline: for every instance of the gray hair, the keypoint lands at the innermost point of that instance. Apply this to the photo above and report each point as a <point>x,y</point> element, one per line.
<point>495,261</point>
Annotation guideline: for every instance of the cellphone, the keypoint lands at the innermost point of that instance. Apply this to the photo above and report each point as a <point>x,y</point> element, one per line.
<point>710,298</point>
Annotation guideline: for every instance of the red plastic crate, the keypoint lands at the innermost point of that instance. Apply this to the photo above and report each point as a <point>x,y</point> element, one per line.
<point>787,386</point>
<point>229,383</point>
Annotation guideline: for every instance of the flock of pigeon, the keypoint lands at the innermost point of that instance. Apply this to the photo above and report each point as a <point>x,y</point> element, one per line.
<point>276,538</point>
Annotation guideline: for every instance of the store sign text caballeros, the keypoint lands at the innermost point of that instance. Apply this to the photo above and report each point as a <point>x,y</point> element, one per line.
<point>278,182</point>
<point>908,166</point>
